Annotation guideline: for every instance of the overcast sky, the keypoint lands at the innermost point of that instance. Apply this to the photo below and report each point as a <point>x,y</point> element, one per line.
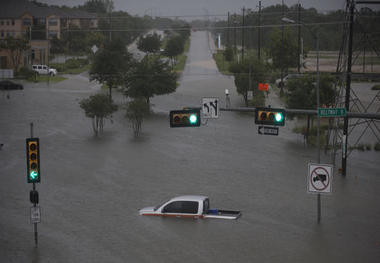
<point>199,7</point>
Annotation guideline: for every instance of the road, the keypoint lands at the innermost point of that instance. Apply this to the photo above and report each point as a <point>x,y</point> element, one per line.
<point>91,188</point>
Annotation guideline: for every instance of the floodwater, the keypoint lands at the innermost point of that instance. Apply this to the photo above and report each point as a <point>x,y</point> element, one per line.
<point>91,188</point>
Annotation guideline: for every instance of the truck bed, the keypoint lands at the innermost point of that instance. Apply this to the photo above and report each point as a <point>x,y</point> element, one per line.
<point>222,214</point>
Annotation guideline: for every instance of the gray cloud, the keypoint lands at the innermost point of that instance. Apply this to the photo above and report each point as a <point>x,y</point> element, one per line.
<point>201,7</point>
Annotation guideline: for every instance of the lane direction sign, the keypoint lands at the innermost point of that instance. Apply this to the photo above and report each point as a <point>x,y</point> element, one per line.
<point>267,130</point>
<point>319,178</point>
<point>210,108</point>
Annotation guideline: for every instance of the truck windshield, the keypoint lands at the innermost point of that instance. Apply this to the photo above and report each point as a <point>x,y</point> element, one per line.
<point>158,206</point>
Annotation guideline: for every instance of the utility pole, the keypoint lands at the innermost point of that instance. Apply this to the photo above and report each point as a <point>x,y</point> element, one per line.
<point>282,55</point>
<point>228,29</point>
<point>348,88</point>
<point>259,33</point>
<point>242,37</point>
<point>299,39</point>
<point>235,23</point>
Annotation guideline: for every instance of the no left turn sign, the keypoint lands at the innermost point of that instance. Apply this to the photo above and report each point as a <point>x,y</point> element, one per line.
<point>319,178</point>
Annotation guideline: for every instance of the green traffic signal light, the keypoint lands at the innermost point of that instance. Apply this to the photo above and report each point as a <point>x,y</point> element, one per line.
<point>33,175</point>
<point>279,117</point>
<point>193,118</point>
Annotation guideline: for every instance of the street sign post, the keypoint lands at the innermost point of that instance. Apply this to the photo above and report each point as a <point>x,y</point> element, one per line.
<point>267,130</point>
<point>319,178</point>
<point>331,112</point>
<point>210,108</point>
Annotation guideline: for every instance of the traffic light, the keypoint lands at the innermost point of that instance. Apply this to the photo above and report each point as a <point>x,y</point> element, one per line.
<point>270,116</point>
<point>33,160</point>
<point>185,118</point>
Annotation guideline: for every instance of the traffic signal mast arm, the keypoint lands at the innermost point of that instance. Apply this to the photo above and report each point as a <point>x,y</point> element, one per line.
<point>310,112</point>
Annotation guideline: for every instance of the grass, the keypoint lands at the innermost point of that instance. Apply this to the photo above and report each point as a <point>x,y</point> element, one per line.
<point>179,67</point>
<point>46,78</point>
<point>77,70</point>
<point>221,63</point>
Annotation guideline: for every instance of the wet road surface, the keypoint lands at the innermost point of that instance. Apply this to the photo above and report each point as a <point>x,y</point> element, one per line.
<point>91,188</point>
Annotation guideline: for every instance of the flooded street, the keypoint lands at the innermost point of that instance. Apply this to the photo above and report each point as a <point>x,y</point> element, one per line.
<point>92,188</point>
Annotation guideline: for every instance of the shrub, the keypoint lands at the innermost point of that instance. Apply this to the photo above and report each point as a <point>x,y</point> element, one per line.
<point>25,73</point>
<point>377,147</point>
<point>376,87</point>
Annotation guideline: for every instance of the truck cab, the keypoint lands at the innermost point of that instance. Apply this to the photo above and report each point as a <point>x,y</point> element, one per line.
<point>188,206</point>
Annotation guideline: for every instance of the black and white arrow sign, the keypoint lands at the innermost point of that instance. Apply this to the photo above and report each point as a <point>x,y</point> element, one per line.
<point>267,130</point>
<point>210,108</point>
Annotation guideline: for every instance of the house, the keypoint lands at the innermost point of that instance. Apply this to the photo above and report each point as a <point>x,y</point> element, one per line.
<point>38,24</point>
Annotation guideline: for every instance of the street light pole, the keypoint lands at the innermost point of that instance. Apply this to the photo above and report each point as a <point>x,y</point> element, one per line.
<point>316,37</point>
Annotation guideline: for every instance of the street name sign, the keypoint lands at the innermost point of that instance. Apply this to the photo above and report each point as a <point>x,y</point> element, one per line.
<point>331,112</point>
<point>267,130</point>
<point>210,108</point>
<point>319,178</point>
<point>35,214</point>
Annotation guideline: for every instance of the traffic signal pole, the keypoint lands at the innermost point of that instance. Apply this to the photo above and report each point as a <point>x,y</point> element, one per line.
<point>34,203</point>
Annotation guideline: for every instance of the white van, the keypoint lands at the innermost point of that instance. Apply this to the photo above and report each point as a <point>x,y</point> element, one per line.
<point>44,70</point>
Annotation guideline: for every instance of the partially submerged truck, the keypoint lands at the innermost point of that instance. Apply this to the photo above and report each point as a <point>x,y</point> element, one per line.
<point>189,206</point>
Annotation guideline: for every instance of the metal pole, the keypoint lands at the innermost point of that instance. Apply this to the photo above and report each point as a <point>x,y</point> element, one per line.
<point>242,37</point>
<point>299,39</point>
<point>259,33</point>
<point>35,224</point>
<point>282,55</point>
<point>228,29</point>
<point>319,125</point>
<point>348,89</point>
<point>235,22</point>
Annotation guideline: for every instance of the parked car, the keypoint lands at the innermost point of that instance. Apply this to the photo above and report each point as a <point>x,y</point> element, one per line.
<point>287,77</point>
<point>189,206</point>
<point>44,70</point>
<point>8,85</point>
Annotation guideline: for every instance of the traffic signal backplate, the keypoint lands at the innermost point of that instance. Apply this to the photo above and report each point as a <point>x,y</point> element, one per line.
<point>270,116</point>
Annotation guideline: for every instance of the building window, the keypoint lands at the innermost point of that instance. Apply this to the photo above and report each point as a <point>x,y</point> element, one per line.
<point>41,21</point>
<point>7,22</point>
<point>53,22</point>
<point>27,21</point>
<point>53,34</point>
<point>1,22</point>
<point>13,22</point>
<point>2,34</point>
<point>8,34</point>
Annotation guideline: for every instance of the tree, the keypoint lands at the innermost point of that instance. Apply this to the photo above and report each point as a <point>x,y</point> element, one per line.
<point>111,64</point>
<point>151,43</point>
<point>248,75</point>
<point>97,6</point>
<point>136,111</point>
<point>228,53</point>
<point>174,47</point>
<point>302,94</point>
<point>98,107</point>
<point>284,53</point>
<point>151,76</point>
<point>15,48</point>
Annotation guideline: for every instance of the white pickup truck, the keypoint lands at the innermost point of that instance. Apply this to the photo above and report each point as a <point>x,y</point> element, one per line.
<point>190,206</point>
